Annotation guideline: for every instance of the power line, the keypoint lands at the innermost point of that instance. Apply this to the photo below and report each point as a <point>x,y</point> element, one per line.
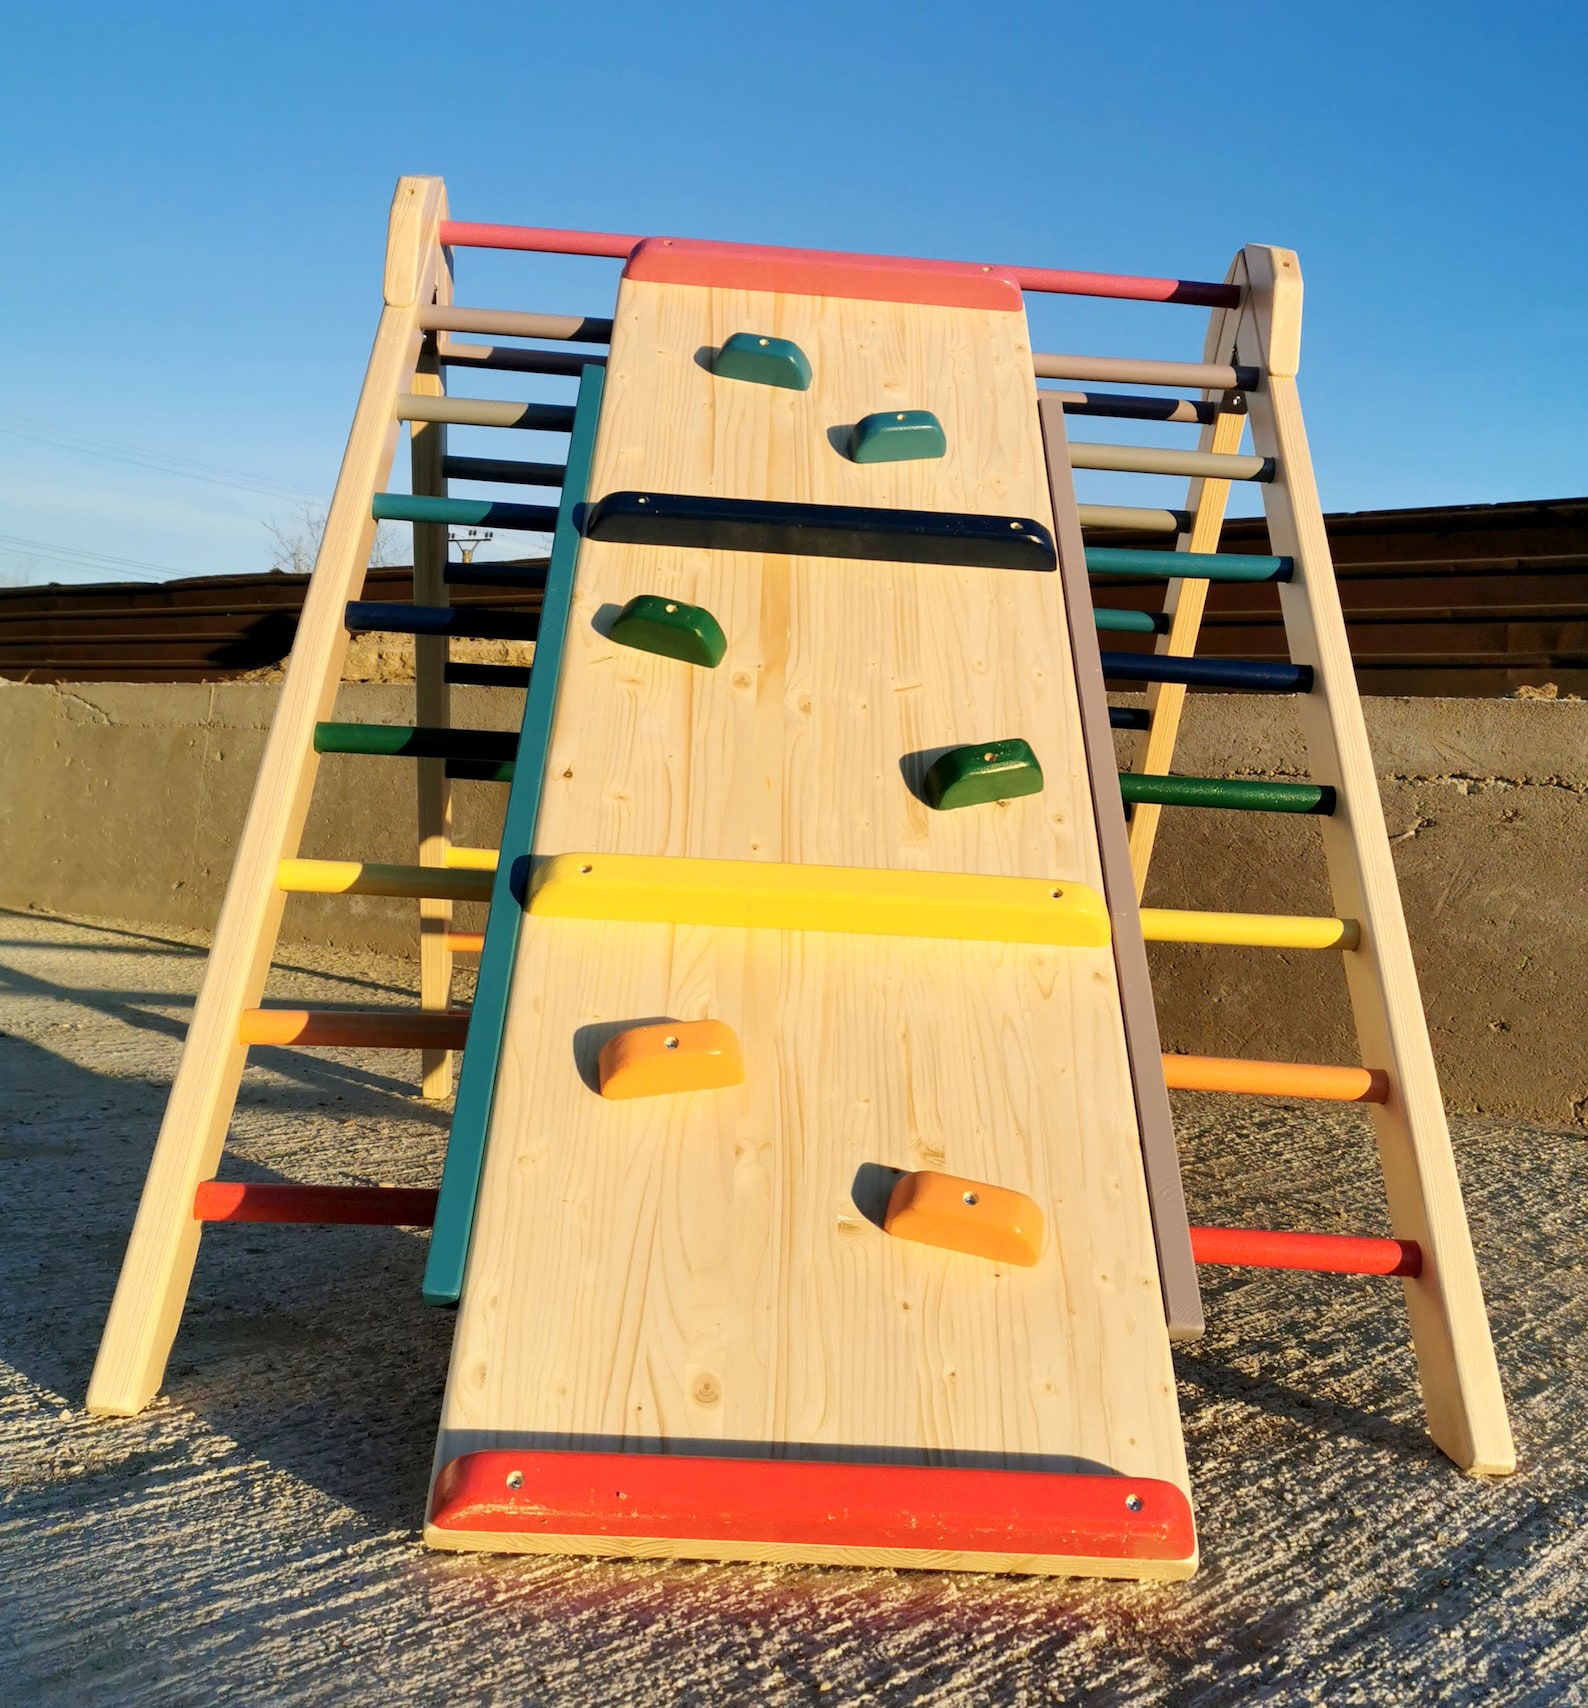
<point>15,546</point>
<point>117,450</point>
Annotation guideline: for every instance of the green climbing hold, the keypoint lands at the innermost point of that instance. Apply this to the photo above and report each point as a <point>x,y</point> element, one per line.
<point>671,628</point>
<point>763,361</point>
<point>990,771</point>
<point>897,436</point>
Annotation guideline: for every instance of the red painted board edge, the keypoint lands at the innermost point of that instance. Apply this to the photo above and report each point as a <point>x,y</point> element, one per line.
<point>824,273</point>
<point>803,1503</point>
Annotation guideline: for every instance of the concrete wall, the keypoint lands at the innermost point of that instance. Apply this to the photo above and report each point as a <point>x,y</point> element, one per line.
<point>124,802</point>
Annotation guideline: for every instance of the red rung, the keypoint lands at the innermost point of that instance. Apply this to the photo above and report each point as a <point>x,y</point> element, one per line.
<point>461,234</point>
<point>803,1503</point>
<point>367,1206</point>
<point>1328,1254</point>
<point>546,240</point>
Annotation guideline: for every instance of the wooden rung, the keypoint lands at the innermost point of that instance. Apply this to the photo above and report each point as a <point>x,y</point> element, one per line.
<point>365,1206</point>
<point>514,323</point>
<point>486,412</point>
<point>770,896</point>
<point>1154,459</point>
<point>463,942</point>
<point>1323,1254</point>
<point>1134,518</point>
<point>383,1029</point>
<point>1248,930</point>
<point>1276,1079</point>
<point>1123,370</point>
<point>363,878</point>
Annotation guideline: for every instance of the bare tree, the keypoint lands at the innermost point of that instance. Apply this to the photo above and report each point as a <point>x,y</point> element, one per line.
<point>297,541</point>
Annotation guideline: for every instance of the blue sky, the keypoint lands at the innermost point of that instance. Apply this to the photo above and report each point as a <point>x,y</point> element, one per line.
<point>197,199</point>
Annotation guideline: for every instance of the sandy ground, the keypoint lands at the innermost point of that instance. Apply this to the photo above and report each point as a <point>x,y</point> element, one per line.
<point>254,1535</point>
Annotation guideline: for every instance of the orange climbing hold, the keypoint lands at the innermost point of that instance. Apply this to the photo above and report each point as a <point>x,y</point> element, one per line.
<point>966,1215</point>
<point>677,1055</point>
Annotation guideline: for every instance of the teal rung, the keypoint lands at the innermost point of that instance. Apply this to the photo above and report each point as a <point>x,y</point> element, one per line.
<point>1202,566</point>
<point>1131,622</point>
<point>464,512</point>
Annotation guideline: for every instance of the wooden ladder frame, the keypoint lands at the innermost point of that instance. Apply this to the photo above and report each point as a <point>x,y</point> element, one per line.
<point>1185,600</point>
<point>158,1267</point>
<point>1450,1328</point>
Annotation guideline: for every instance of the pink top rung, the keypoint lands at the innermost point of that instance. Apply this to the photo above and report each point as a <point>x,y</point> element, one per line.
<point>547,240</point>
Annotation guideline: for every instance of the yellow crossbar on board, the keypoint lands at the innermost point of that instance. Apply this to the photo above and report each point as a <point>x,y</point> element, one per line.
<point>1249,930</point>
<point>360,878</point>
<point>764,895</point>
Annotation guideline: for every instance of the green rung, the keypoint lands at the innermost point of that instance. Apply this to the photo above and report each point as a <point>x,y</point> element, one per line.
<point>407,741</point>
<point>1242,794</point>
<point>897,436</point>
<point>989,771</point>
<point>763,361</point>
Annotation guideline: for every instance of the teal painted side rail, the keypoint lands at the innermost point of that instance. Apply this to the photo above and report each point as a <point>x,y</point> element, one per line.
<point>460,1176</point>
<point>1204,566</point>
<point>1243,794</point>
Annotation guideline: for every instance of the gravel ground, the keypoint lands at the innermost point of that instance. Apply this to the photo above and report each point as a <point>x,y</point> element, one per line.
<point>254,1535</point>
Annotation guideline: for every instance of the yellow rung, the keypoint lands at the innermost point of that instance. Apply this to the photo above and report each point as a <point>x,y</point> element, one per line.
<point>360,878</point>
<point>471,859</point>
<point>1250,930</point>
<point>763,895</point>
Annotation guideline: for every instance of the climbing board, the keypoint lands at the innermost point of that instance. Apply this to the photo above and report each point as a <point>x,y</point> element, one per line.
<point>702,1277</point>
<point>811,1191</point>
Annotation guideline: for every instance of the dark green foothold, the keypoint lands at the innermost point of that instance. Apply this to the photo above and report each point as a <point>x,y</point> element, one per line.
<point>671,628</point>
<point>897,436</point>
<point>763,361</point>
<point>990,771</point>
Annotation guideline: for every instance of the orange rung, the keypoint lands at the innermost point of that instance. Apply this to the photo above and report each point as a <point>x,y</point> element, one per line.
<point>464,942</point>
<point>380,1029</point>
<point>1276,1079</point>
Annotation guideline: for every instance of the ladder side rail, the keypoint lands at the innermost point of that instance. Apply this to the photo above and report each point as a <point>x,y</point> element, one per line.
<point>432,710</point>
<point>1450,1328</point>
<point>1185,600</point>
<point>158,1266</point>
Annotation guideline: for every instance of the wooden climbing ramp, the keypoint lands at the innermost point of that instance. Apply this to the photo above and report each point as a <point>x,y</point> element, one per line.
<point>811,1191</point>
<point>702,1276</point>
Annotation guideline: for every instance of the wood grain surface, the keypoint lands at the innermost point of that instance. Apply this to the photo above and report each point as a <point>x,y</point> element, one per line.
<point>704,1272</point>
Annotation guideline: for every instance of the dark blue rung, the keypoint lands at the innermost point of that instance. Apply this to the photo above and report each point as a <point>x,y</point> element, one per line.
<point>1129,717</point>
<point>1131,622</point>
<point>1204,566</point>
<point>525,575</point>
<point>1129,406</point>
<point>464,512</point>
<point>501,469</point>
<point>486,675</point>
<point>1250,675</point>
<point>462,622</point>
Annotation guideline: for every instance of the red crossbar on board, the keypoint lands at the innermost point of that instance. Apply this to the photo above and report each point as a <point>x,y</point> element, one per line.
<point>800,1503</point>
<point>1057,281</point>
<point>1326,1254</point>
<point>363,1206</point>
